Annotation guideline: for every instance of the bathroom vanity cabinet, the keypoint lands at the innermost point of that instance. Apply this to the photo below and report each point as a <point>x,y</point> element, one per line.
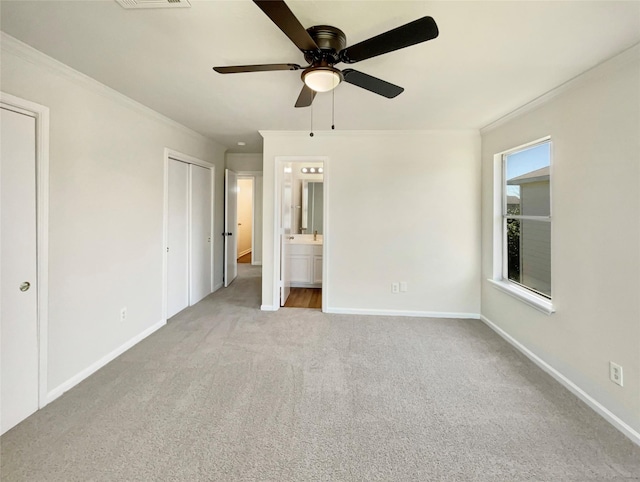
<point>305,261</point>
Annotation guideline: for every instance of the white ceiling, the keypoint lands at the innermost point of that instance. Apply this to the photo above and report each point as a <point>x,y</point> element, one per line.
<point>490,58</point>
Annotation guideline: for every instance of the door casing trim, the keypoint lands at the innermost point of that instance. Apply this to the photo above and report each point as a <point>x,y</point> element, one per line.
<point>280,161</point>
<point>253,175</point>
<point>41,115</point>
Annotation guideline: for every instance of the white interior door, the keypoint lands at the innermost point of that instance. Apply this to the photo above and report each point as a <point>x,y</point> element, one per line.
<point>230,226</point>
<point>18,309</point>
<point>178,238</point>
<point>201,231</point>
<point>285,236</point>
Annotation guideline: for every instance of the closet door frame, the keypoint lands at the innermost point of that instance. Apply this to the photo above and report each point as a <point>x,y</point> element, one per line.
<point>178,234</point>
<point>179,156</point>
<point>41,114</point>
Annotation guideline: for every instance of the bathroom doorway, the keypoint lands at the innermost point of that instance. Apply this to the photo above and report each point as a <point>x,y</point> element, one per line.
<point>302,241</point>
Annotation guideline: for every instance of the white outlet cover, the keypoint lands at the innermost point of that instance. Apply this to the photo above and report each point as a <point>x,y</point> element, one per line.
<point>615,373</point>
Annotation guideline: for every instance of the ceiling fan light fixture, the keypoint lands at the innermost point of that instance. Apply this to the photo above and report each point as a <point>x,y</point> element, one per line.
<point>322,79</point>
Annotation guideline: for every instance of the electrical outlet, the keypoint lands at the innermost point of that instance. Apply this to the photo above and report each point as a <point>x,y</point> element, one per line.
<point>123,314</point>
<point>403,287</point>
<point>615,373</point>
<point>395,287</point>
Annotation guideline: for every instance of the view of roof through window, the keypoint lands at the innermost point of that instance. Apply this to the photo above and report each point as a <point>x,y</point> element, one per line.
<point>528,165</point>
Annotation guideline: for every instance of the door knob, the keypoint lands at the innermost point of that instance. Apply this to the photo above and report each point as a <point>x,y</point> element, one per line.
<point>25,286</point>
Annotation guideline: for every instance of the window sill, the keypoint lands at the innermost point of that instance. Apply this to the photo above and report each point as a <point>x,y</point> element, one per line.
<point>536,301</point>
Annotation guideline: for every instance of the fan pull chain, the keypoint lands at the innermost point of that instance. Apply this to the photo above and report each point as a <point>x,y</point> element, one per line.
<point>333,109</point>
<point>311,133</point>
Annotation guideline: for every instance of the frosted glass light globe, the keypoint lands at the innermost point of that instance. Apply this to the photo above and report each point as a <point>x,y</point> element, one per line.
<point>322,79</point>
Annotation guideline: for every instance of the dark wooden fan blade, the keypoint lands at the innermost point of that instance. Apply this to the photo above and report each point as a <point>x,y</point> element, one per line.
<point>283,17</point>
<point>236,69</point>
<point>305,99</point>
<point>415,32</point>
<point>372,84</point>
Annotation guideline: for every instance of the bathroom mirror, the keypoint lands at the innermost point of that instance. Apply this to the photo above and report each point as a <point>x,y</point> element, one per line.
<point>312,206</point>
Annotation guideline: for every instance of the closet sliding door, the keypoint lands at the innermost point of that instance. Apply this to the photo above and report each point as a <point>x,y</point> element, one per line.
<point>178,238</point>
<point>200,234</point>
<point>189,225</point>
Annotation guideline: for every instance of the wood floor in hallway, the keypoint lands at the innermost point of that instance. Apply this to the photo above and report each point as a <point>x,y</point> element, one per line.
<point>304,298</point>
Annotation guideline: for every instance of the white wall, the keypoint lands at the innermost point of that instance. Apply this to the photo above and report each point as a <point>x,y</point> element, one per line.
<point>105,209</point>
<point>403,206</point>
<point>594,127</point>
<point>242,162</point>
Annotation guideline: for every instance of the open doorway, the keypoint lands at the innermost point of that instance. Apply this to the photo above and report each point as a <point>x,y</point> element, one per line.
<point>302,240</point>
<point>245,219</point>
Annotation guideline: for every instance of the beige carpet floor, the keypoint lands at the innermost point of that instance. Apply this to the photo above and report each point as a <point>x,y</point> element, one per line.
<point>226,392</point>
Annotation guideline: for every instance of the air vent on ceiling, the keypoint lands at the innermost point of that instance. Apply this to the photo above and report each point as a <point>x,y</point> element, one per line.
<point>153,3</point>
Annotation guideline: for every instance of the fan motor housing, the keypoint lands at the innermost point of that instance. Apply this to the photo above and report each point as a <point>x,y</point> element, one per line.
<point>330,40</point>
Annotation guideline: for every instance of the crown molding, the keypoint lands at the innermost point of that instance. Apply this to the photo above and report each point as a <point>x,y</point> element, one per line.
<point>359,133</point>
<point>594,73</point>
<point>12,45</point>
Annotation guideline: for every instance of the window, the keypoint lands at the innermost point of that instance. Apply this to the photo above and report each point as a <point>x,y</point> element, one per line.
<point>525,241</point>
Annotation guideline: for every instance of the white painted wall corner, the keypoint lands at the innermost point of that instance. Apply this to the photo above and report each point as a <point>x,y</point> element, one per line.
<point>94,367</point>
<point>568,384</point>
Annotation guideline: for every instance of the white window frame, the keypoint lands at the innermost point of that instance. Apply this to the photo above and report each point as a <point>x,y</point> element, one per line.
<point>500,278</point>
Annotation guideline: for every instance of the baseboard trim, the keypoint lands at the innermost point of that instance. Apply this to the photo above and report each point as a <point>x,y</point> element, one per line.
<point>269,308</point>
<point>256,263</point>
<point>600,409</point>
<point>242,253</point>
<point>217,287</point>
<point>94,367</point>
<point>415,314</point>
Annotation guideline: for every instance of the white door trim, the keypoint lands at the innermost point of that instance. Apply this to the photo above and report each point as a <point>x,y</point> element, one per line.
<point>252,175</point>
<point>179,156</point>
<point>41,114</point>
<point>277,196</point>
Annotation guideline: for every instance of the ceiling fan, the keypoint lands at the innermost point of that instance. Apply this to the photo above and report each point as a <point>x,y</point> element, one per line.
<point>324,46</point>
